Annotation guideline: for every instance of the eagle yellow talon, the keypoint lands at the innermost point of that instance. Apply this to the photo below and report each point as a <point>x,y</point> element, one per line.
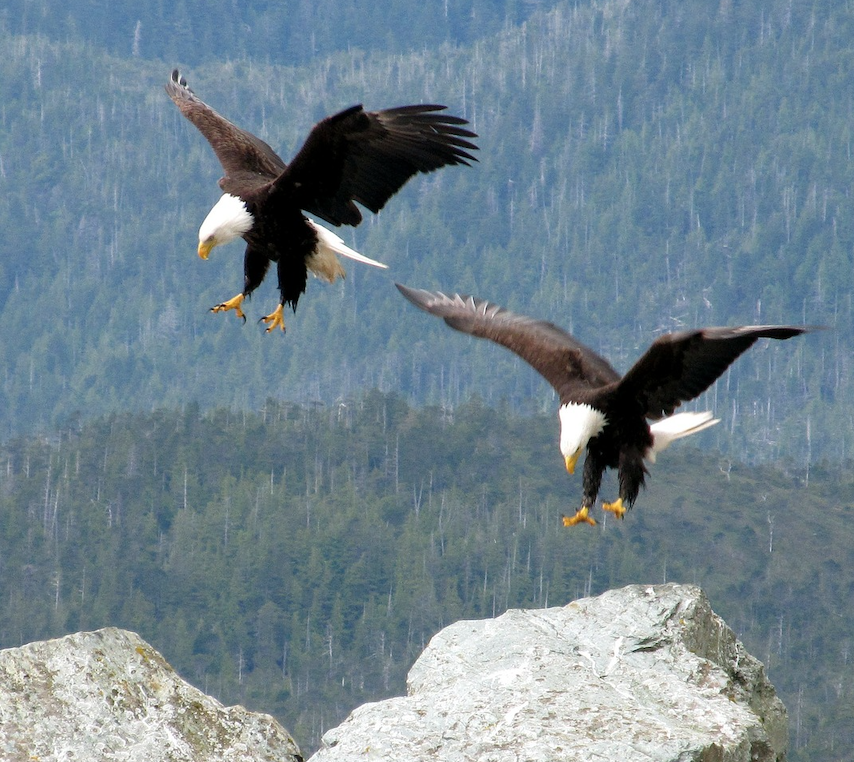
<point>617,508</point>
<point>274,319</point>
<point>581,515</point>
<point>232,304</point>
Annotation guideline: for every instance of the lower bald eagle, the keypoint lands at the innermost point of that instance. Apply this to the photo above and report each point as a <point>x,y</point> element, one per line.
<point>600,410</point>
<point>354,156</point>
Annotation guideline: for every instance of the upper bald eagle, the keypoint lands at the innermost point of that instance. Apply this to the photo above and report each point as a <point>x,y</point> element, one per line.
<point>353,156</point>
<point>600,409</point>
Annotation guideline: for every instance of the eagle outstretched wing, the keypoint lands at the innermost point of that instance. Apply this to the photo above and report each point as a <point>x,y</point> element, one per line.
<point>367,156</point>
<point>680,366</point>
<point>353,156</point>
<point>240,152</point>
<point>567,364</point>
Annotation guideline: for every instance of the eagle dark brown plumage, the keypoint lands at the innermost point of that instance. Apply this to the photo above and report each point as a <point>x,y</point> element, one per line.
<point>353,157</point>
<point>600,410</point>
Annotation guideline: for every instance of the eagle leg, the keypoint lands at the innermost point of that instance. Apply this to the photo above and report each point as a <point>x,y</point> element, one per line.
<point>581,515</point>
<point>617,508</point>
<point>274,319</point>
<point>232,304</point>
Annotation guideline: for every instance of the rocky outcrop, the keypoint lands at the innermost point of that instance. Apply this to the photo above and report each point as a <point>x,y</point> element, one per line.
<point>645,673</point>
<point>108,695</point>
<point>641,673</point>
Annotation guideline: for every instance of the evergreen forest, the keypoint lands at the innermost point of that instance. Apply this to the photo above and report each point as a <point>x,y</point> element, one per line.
<point>298,559</point>
<point>290,518</point>
<point>643,167</point>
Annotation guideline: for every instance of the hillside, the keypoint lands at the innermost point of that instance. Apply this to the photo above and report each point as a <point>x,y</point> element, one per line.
<point>298,560</point>
<point>644,166</point>
<point>204,31</point>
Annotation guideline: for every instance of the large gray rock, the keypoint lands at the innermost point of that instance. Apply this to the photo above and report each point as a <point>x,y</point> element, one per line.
<point>643,673</point>
<point>108,695</point>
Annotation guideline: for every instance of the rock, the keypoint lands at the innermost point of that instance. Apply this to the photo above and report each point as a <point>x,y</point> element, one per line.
<point>642,673</point>
<point>108,695</point>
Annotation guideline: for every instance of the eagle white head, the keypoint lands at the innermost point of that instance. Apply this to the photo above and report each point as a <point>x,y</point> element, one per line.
<point>579,423</point>
<point>229,219</point>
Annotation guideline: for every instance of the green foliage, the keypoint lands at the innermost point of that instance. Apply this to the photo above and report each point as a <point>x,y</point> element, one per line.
<point>299,559</point>
<point>644,166</point>
<point>294,31</point>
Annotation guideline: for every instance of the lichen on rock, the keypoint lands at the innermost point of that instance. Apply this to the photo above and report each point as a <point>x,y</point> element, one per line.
<point>108,695</point>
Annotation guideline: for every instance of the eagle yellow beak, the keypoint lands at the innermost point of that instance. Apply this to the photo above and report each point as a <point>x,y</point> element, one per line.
<point>571,460</point>
<point>205,248</point>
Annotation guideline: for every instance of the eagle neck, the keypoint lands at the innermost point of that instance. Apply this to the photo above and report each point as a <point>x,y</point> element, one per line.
<point>229,218</point>
<point>579,423</point>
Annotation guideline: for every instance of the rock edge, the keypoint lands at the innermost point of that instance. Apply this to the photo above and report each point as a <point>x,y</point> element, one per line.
<point>108,695</point>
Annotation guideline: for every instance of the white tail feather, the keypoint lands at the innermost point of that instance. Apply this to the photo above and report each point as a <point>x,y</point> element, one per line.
<point>675,427</point>
<point>324,262</point>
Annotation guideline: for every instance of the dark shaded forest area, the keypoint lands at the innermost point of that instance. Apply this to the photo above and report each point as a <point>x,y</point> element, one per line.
<point>292,32</point>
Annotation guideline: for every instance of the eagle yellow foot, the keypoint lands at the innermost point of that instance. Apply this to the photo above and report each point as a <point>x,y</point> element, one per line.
<point>274,319</point>
<point>617,508</point>
<point>581,515</point>
<point>231,304</point>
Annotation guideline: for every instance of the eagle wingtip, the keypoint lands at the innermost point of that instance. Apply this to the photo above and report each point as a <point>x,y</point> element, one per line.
<point>421,298</point>
<point>177,80</point>
<point>409,293</point>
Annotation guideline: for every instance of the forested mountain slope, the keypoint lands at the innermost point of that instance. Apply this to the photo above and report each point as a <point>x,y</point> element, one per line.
<point>299,559</point>
<point>644,166</point>
<point>293,32</point>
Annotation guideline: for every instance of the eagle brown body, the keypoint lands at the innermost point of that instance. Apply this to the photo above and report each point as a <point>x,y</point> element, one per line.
<point>607,413</point>
<point>355,156</point>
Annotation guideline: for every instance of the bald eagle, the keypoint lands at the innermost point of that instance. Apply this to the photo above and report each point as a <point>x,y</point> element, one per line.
<point>354,156</point>
<point>600,410</point>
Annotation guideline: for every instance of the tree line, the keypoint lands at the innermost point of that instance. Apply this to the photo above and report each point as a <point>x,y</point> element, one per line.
<point>297,559</point>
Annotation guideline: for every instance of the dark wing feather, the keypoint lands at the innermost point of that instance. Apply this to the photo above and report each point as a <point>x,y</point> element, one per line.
<point>681,366</point>
<point>565,363</point>
<point>367,156</point>
<point>243,156</point>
